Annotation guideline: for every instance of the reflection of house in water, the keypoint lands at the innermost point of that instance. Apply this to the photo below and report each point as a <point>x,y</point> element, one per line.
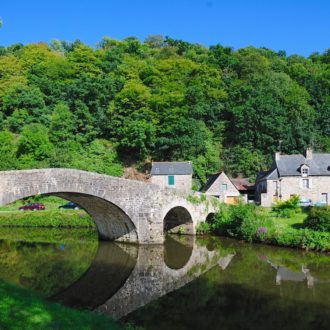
<point>286,274</point>
<point>225,261</point>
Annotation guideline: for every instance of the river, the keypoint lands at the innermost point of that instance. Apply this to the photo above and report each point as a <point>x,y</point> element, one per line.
<point>187,283</point>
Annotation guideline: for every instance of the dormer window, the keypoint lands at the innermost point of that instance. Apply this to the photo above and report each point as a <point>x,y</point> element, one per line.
<point>304,170</point>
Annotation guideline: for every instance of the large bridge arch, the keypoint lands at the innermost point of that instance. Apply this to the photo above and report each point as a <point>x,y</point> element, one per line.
<point>116,205</point>
<point>125,210</point>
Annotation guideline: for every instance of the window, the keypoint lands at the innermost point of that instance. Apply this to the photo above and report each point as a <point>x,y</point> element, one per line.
<point>304,171</point>
<point>170,180</point>
<point>305,183</point>
<point>324,198</point>
<point>224,186</point>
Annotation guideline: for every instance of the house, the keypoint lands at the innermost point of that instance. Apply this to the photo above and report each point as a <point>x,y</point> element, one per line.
<point>229,190</point>
<point>172,174</point>
<point>305,175</point>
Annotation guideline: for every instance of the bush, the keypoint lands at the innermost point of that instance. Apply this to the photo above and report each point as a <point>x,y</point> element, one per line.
<point>289,208</point>
<point>203,228</point>
<point>303,238</point>
<point>318,219</point>
<point>244,221</point>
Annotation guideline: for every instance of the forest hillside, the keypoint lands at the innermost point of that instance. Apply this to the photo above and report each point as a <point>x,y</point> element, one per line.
<point>125,102</point>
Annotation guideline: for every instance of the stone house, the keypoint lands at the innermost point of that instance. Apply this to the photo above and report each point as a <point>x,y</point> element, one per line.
<point>172,174</point>
<point>228,190</point>
<point>305,175</point>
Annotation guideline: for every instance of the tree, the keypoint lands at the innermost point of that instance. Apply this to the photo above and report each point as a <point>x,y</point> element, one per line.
<point>34,147</point>
<point>62,126</point>
<point>8,149</point>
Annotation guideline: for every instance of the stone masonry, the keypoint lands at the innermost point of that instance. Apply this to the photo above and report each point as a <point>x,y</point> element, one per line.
<point>123,210</point>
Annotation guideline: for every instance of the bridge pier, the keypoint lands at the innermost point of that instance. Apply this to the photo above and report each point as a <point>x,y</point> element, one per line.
<point>123,210</point>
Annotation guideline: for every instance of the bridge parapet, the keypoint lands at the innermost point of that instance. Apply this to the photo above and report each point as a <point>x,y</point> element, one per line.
<point>124,210</point>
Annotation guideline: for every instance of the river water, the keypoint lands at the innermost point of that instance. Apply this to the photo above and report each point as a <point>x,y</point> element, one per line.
<point>187,283</point>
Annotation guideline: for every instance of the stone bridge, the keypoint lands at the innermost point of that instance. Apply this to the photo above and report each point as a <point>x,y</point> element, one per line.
<point>123,210</point>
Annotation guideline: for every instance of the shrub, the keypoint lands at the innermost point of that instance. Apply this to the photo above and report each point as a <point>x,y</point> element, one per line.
<point>287,208</point>
<point>242,220</point>
<point>203,228</point>
<point>318,219</point>
<point>303,238</point>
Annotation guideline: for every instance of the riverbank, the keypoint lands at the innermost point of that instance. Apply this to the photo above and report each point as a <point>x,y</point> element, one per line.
<point>24,309</point>
<point>259,225</point>
<point>48,218</point>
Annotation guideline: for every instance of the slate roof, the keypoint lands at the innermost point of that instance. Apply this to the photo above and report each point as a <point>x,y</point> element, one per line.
<point>290,165</point>
<point>171,168</point>
<point>210,181</point>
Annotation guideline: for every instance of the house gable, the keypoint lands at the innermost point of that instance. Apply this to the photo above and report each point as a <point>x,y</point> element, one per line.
<point>221,185</point>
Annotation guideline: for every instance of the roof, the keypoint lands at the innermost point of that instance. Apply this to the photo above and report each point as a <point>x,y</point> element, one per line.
<point>211,180</point>
<point>268,175</point>
<point>242,183</point>
<point>290,165</point>
<point>171,168</point>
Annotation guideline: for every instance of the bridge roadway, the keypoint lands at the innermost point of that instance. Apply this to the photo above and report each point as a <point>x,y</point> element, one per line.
<point>123,210</point>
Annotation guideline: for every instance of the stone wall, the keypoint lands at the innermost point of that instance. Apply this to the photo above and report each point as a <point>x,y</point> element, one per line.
<point>288,186</point>
<point>217,190</point>
<point>181,182</point>
<point>123,210</point>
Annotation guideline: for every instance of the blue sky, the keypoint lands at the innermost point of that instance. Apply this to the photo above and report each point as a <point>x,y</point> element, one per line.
<point>297,26</point>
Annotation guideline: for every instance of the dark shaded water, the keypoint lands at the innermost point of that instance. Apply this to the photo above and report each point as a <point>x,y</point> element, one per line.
<point>210,283</point>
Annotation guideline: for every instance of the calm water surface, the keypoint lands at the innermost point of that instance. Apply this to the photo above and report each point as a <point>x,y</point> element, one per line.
<point>210,283</point>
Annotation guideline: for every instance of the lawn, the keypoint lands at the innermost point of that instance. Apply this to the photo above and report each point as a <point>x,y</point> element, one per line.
<point>24,309</point>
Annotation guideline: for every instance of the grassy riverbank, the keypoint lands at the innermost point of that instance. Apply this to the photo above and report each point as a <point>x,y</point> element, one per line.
<point>49,218</point>
<point>256,224</point>
<point>24,309</point>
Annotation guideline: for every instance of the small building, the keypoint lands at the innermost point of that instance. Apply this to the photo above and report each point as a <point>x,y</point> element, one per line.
<point>172,174</point>
<point>307,176</point>
<point>229,190</point>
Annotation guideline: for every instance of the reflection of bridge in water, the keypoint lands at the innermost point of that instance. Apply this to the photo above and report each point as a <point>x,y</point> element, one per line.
<point>125,277</point>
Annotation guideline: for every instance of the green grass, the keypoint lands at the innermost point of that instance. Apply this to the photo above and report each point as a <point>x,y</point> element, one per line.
<point>49,218</point>
<point>50,202</point>
<point>24,309</point>
<point>295,222</point>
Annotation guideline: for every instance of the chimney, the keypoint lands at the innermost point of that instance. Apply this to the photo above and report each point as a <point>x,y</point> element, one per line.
<point>277,155</point>
<point>309,153</point>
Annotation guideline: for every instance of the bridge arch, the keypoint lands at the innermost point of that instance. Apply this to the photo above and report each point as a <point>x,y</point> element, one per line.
<point>113,222</point>
<point>210,218</point>
<point>178,220</point>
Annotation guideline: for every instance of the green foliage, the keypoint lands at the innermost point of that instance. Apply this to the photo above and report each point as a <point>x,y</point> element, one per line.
<point>203,228</point>
<point>318,219</point>
<point>196,199</point>
<point>54,219</point>
<point>303,238</point>
<point>254,224</point>
<point>163,99</point>
<point>243,221</point>
<point>287,208</point>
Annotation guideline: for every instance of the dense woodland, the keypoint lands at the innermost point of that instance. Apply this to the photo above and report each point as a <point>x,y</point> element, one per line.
<point>127,102</point>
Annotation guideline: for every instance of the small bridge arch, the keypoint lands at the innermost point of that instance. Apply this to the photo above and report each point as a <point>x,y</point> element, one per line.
<point>123,210</point>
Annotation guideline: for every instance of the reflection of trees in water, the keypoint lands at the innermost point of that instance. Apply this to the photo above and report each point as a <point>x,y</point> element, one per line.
<point>44,267</point>
<point>245,294</point>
